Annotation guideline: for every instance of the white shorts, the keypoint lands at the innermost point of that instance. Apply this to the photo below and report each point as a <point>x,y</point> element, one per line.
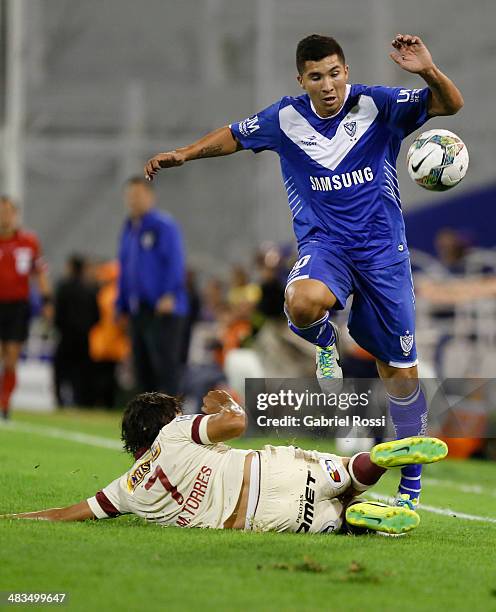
<point>296,490</point>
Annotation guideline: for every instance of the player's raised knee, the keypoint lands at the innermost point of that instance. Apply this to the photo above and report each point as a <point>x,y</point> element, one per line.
<point>306,303</point>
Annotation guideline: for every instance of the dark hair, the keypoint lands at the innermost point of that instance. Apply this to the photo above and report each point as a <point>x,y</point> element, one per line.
<point>138,180</point>
<point>144,417</point>
<point>315,47</point>
<point>5,198</point>
<point>76,264</point>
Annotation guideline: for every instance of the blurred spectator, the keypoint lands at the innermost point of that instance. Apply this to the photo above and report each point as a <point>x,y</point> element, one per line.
<point>271,304</point>
<point>193,315</point>
<point>152,289</point>
<point>358,363</point>
<point>238,318</point>
<point>235,329</point>
<point>20,259</point>
<point>212,300</point>
<point>76,311</point>
<point>451,249</point>
<point>454,298</point>
<point>241,290</point>
<point>109,344</point>
<point>457,291</point>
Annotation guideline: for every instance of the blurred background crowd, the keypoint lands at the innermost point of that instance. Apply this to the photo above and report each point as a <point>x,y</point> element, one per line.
<point>74,129</point>
<point>234,324</point>
<point>90,349</point>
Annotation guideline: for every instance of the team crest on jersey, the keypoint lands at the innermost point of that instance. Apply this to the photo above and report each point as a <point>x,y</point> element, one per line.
<point>350,128</point>
<point>329,527</point>
<point>331,471</point>
<point>406,342</point>
<point>23,260</point>
<point>139,473</point>
<point>147,240</point>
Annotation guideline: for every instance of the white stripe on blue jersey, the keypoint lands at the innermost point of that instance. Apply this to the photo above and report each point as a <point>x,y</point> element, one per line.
<point>339,172</point>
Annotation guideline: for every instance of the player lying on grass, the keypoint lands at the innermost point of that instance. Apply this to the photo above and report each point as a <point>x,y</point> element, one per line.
<point>184,475</point>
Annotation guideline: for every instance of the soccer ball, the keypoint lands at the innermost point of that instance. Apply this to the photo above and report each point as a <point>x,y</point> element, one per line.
<point>437,160</point>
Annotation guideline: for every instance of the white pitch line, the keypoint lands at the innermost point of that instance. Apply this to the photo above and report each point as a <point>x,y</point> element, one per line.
<point>442,511</point>
<point>472,489</point>
<point>100,441</point>
<point>62,434</point>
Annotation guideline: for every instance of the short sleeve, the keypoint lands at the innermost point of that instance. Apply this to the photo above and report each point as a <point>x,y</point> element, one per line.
<point>189,428</point>
<point>260,132</point>
<point>404,110</point>
<point>108,502</point>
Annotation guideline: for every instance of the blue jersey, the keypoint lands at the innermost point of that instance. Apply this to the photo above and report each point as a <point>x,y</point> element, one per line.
<point>340,172</point>
<point>152,263</point>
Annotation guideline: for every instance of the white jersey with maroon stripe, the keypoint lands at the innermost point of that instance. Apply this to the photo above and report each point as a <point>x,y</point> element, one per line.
<point>183,479</point>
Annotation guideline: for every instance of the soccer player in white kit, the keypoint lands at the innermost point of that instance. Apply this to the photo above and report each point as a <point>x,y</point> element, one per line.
<point>185,476</point>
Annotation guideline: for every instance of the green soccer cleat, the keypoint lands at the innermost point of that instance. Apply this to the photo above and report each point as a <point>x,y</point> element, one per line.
<point>382,518</point>
<point>407,451</point>
<point>327,359</point>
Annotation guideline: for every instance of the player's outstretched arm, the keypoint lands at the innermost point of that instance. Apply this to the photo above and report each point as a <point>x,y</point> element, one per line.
<point>228,420</point>
<point>216,143</point>
<point>45,290</point>
<point>77,512</point>
<point>412,55</point>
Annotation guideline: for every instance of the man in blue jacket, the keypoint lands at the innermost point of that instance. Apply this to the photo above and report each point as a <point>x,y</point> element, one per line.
<point>152,288</point>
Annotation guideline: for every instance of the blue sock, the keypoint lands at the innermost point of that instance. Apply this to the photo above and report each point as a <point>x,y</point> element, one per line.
<point>409,416</point>
<point>320,332</point>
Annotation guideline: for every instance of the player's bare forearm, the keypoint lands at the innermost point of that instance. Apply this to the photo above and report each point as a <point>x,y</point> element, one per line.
<point>45,288</point>
<point>215,144</point>
<point>229,419</point>
<point>411,54</point>
<point>44,284</point>
<point>445,98</point>
<point>76,512</point>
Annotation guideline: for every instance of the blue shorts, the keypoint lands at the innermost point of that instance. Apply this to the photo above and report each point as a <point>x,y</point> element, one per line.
<point>382,317</point>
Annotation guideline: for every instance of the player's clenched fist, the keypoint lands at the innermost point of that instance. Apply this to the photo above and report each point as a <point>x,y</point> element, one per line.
<point>218,400</point>
<point>163,160</point>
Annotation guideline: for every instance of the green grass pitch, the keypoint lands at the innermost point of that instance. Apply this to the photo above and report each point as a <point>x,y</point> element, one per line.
<point>448,563</point>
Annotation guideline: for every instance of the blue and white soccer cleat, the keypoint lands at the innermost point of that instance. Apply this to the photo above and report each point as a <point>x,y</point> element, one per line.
<point>374,516</point>
<point>403,500</point>
<point>327,360</point>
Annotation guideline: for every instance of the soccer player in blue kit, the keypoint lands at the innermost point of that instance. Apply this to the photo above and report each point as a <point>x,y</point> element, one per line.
<point>338,145</point>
